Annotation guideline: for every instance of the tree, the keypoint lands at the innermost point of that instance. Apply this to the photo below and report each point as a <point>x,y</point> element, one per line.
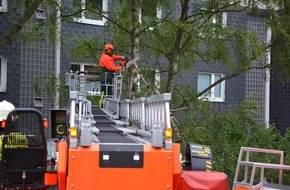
<point>184,36</point>
<point>189,38</point>
<point>29,8</point>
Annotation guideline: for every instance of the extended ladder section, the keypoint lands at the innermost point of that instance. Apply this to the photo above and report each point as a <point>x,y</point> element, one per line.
<point>147,117</point>
<point>252,169</point>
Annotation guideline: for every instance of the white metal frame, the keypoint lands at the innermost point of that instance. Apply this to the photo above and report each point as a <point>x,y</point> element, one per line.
<point>84,20</point>
<point>247,163</point>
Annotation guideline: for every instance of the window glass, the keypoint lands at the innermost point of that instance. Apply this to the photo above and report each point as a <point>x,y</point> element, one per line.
<point>95,6</point>
<point>75,68</point>
<point>3,73</point>
<point>204,80</point>
<point>217,88</point>
<point>92,11</point>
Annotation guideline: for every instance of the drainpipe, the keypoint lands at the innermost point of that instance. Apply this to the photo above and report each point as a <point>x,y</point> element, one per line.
<point>267,88</point>
<point>57,53</point>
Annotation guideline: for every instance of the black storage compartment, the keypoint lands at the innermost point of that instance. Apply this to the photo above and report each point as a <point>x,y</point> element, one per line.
<point>198,157</point>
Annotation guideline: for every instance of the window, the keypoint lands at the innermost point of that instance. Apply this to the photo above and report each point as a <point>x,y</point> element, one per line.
<point>216,93</point>
<point>3,5</point>
<point>3,73</point>
<point>151,8</point>
<point>212,23</point>
<point>213,19</point>
<point>92,11</point>
<point>149,13</point>
<point>220,18</point>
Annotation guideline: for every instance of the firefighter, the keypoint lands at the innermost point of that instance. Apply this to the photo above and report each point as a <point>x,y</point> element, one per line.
<point>107,65</point>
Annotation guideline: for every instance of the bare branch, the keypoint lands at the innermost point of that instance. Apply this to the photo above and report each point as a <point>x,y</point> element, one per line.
<point>13,31</point>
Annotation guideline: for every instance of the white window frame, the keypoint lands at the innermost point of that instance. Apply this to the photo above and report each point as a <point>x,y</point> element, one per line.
<point>4,6</point>
<point>84,20</point>
<point>212,95</point>
<point>3,82</point>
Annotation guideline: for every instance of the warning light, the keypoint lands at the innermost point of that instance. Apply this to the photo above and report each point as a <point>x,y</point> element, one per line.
<point>73,131</point>
<point>3,123</point>
<point>168,133</point>
<point>45,123</point>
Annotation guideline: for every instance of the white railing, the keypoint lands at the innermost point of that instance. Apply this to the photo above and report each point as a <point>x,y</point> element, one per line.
<point>137,112</point>
<point>125,107</point>
<point>142,113</point>
<point>80,82</point>
<point>158,109</point>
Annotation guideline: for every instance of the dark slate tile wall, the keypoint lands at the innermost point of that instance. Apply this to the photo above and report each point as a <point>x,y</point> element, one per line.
<point>37,65</point>
<point>250,85</point>
<point>71,30</point>
<point>75,29</point>
<point>25,63</point>
<point>280,100</point>
<point>12,53</point>
<point>234,87</point>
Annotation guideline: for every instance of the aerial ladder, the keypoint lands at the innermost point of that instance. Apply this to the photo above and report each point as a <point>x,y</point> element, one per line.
<point>126,144</point>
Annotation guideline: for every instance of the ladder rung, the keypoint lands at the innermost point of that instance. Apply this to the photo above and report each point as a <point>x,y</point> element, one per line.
<point>245,163</point>
<point>241,184</point>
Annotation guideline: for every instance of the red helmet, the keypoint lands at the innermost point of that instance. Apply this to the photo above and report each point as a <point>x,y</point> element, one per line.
<point>109,47</point>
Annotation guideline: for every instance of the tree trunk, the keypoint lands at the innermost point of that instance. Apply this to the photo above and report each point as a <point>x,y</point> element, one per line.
<point>174,61</point>
<point>173,66</point>
<point>132,86</point>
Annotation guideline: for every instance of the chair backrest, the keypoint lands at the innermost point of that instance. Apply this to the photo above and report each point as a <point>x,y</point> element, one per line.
<point>24,147</point>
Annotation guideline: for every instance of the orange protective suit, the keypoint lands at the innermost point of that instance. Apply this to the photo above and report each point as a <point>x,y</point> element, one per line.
<point>108,62</point>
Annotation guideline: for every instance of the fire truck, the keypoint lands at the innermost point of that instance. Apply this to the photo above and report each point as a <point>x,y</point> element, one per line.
<point>125,144</point>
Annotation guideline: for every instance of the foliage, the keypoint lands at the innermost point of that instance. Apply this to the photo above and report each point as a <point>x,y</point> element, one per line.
<point>176,43</point>
<point>226,132</point>
<point>87,49</point>
<point>49,85</point>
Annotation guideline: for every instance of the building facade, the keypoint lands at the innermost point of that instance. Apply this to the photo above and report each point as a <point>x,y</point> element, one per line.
<point>26,66</point>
